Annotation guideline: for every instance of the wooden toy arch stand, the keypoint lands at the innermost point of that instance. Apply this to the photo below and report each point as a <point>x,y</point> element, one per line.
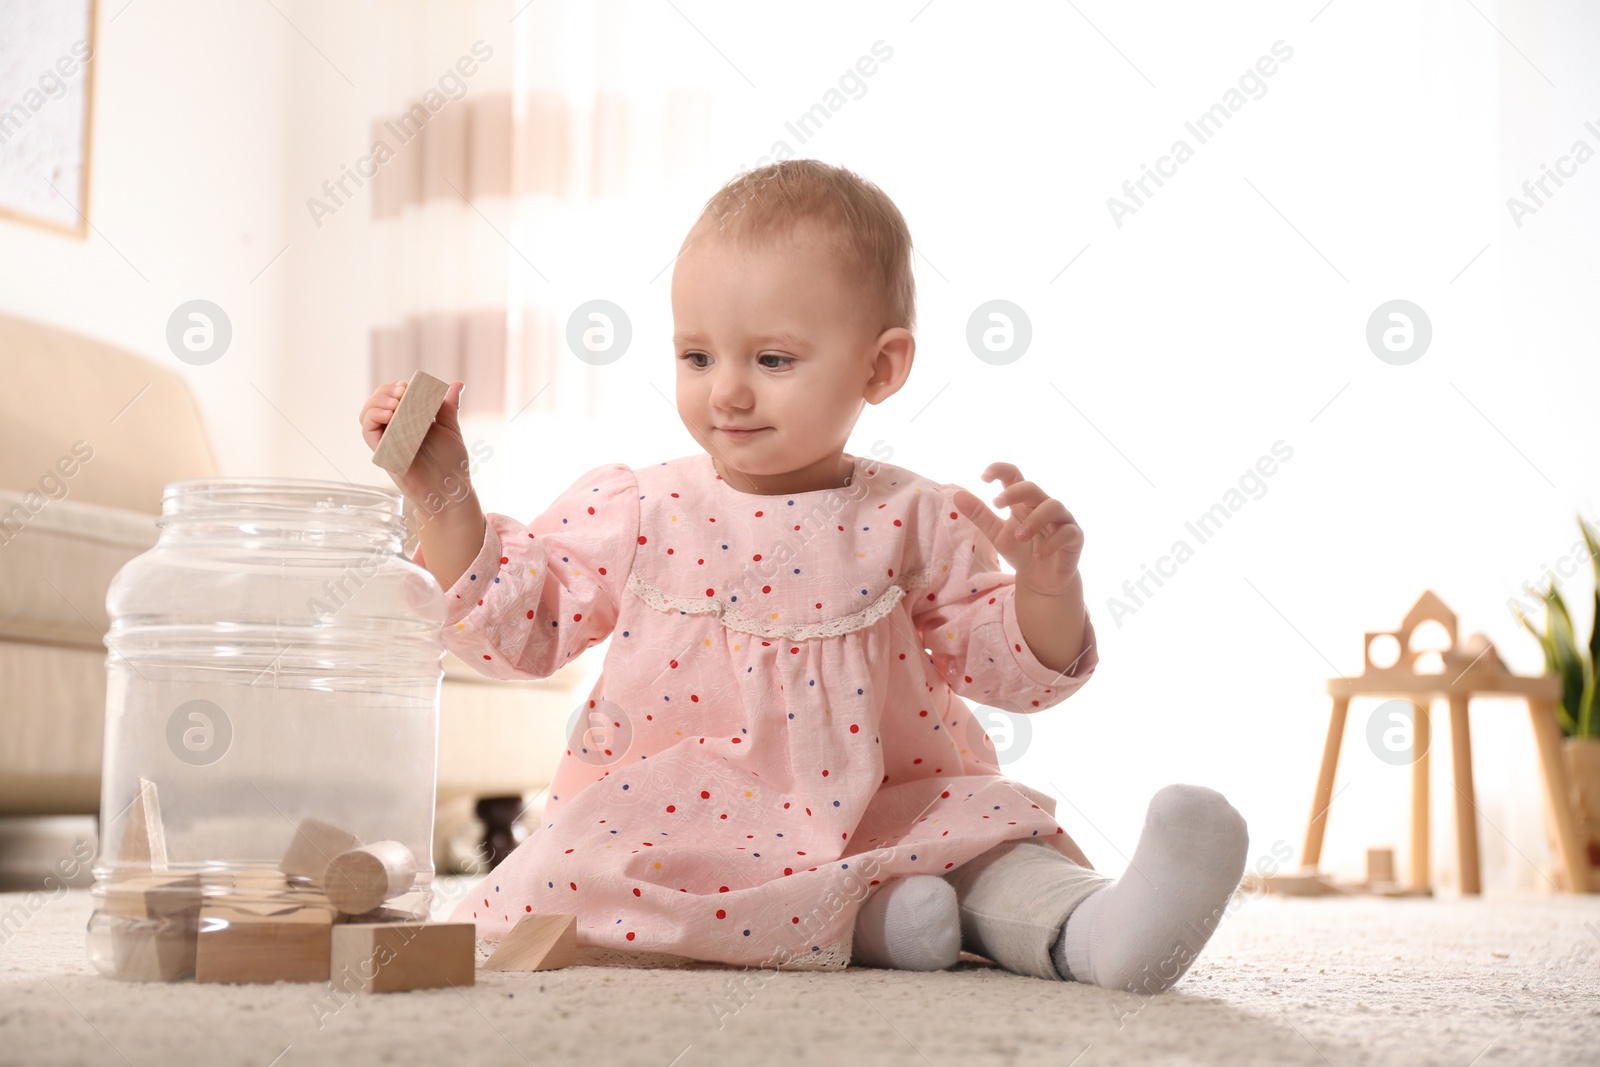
<point>1469,670</point>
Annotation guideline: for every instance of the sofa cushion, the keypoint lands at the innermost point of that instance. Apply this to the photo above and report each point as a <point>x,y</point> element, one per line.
<point>123,424</point>
<point>57,559</point>
<point>54,716</point>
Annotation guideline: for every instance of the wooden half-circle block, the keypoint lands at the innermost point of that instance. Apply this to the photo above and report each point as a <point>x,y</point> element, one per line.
<point>537,943</point>
<point>361,879</point>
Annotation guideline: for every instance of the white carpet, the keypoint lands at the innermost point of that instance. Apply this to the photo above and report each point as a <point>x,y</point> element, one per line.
<point>1284,981</point>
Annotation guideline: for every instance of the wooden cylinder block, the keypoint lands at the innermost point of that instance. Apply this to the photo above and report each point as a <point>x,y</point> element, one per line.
<point>361,879</point>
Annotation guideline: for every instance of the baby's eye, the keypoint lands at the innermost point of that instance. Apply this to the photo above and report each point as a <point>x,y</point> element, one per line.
<point>696,360</point>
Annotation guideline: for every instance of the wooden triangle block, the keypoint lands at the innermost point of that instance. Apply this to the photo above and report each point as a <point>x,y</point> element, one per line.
<point>410,422</point>
<point>537,943</point>
<point>144,843</point>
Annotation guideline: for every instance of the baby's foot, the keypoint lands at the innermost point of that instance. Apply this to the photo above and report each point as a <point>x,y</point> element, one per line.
<point>911,924</point>
<point>1143,931</point>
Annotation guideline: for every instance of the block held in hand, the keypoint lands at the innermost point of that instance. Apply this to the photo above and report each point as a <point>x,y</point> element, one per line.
<point>410,422</point>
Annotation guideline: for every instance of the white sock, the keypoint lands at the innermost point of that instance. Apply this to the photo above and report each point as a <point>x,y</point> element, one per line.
<point>911,924</point>
<point>1142,932</point>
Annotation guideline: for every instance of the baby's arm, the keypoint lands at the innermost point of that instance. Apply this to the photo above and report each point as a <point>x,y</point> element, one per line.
<point>970,619</point>
<point>450,539</point>
<point>1054,626</point>
<point>534,596</point>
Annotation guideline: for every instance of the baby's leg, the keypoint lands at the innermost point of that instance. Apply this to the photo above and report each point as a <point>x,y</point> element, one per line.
<point>909,924</point>
<point>1014,899</point>
<point>1033,911</point>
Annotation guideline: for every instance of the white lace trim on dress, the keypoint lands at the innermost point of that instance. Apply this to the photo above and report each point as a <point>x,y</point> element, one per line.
<point>735,619</point>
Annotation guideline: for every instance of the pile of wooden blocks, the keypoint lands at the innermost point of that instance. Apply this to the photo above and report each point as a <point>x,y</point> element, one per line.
<point>1310,882</point>
<point>321,916</point>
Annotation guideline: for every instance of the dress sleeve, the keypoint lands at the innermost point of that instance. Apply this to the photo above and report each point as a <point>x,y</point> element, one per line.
<point>539,594</point>
<point>967,617</point>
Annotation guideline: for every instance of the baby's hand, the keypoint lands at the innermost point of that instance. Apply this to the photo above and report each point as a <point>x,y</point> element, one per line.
<point>1040,539</point>
<point>441,463</point>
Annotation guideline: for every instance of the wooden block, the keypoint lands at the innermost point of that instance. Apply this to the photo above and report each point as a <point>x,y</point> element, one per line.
<point>249,880</point>
<point>144,843</point>
<point>1304,884</point>
<point>313,847</point>
<point>248,907</point>
<point>409,423</point>
<point>153,896</point>
<point>155,950</point>
<point>238,943</point>
<point>394,957</point>
<point>537,943</point>
<point>1380,865</point>
<point>363,878</point>
<point>377,915</point>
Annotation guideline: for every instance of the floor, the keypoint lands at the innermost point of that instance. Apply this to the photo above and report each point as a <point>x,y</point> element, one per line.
<point>1452,982</point>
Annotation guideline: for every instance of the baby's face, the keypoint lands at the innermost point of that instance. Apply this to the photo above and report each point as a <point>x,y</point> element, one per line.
<point>777,342</point>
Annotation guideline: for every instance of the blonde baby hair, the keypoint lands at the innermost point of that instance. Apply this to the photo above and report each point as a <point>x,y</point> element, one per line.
<point>868,232</point>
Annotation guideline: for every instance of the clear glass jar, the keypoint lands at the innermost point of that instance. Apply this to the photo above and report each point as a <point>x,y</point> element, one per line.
<point>274,658</point>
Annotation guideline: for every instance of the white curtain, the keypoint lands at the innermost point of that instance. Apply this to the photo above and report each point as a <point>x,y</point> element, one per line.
<point>540,188</point>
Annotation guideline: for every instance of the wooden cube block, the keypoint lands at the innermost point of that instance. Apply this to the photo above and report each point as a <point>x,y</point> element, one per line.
<point>393,957</point>
<point>377,915</point>
<point>243,941</point>
<point>247,882</point>
<point>313,847</point>
<point>154,950</point>
<point>537,943</point>
<point>268,892</point>
<point>153,896</point>
<point>410,422</point>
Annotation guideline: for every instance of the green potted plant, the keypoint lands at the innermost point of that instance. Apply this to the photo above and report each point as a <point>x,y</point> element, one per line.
<point>1577,664</point>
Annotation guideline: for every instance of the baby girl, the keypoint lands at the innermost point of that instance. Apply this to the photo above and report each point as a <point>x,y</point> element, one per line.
<point>776,766</point>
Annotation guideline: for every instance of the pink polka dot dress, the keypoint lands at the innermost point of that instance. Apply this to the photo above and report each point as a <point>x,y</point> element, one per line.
<point>769,738</point>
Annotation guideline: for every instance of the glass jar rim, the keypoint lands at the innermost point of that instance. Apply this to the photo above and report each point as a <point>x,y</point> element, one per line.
<point>277,495</point>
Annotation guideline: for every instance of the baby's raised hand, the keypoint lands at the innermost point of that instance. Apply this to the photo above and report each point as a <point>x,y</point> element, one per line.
<point>441,463</point>
<point>1040,538</point>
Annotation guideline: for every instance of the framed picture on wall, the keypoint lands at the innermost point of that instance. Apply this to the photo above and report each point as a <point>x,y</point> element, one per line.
<point>46,112</point>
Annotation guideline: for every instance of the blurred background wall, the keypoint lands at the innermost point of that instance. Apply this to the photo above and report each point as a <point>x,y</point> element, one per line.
<point>1174,339</point>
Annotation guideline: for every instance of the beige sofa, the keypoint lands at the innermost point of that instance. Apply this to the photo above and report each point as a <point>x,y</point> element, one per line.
<point>69,520</point>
